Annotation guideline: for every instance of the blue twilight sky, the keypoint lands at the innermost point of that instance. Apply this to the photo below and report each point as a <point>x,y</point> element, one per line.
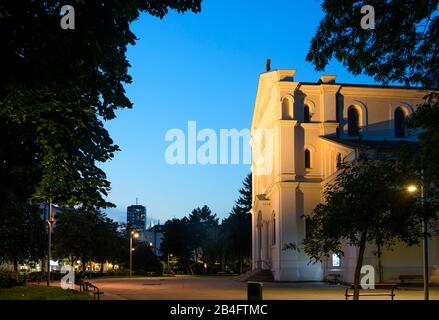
<point>202,67</point>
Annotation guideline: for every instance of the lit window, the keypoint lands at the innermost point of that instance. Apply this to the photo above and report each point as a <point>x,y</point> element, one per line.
<point>335,260</point>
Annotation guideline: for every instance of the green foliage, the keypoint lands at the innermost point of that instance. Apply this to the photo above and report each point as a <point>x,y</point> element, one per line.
<point>57,88</point>
<point>426,119</point>
<point>367,196</point>
<point>22,234</point>
<point>237,227</point>
<point>11,279</point>
<point>177,240</point>
<point>38,292</point>
<point>367,202</point>
<point>403,47</point>
<point>87,234</point>
<point>145,261</point>
<point>200,239</point>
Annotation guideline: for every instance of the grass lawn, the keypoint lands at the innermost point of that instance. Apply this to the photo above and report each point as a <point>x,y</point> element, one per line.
<point>39,292</point>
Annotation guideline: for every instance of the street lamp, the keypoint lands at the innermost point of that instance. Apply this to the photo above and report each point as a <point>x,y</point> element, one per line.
<point>413,189</point>
<point>50,221</point>
<point>169,266</point>
<point>132,235</point>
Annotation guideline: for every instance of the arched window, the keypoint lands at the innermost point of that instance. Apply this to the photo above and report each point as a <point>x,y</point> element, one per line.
<point>338,160</point>
<point>287,109</point>
<point>307,159</point>
<point>273,242</point>
<point>353,122</point>
<point>306,115</point>
<point>399,123</point>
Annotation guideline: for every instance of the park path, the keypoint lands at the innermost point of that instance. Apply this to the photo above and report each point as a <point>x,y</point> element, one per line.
<point>227,288</point>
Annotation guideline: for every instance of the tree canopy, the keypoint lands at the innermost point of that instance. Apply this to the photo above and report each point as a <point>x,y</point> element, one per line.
<point>57,88</point>
<point>366,203</point>
<point>87,234</point>
<point>403,47</point>
<point>200,239</point>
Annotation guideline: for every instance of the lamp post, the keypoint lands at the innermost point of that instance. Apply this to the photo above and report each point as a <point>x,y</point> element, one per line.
<point>50,220</point>
<point>132,235</point>
<point>169,266</point>
<point>413,189</point>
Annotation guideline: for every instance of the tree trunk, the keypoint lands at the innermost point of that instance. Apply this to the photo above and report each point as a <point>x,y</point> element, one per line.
<point>240,266</point>
<point>359,265</point>
<point>102,267</point>
<point>15,265</point>
<point>380,264</point>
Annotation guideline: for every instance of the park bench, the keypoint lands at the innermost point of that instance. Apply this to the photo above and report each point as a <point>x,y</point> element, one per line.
<point>85,286</point>
<point>383,290</point>
<point>411,278</point>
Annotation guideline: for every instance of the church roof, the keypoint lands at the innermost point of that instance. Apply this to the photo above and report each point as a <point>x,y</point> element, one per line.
<point>376,145</point>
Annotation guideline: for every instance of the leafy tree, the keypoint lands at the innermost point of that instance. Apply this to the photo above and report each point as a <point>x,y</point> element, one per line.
<point>86,233</point>
<point>107,241</point>
<point>57,88</point>
<point>403,47</point>
<point>367,203</point>
<point>201,223</point>
<point>144,260</point>
<point>178,242</point>
<point>22,235</point>
<point>214,246</point>
<point>237,226</point>
<point>73,234</point>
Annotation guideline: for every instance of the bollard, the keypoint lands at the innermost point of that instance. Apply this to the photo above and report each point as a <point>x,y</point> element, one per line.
<point>254,290</point>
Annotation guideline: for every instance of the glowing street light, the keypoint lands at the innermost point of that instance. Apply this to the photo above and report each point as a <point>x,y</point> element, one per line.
<point>132,235</point>
<point>414,189</point>
<point>169,266</point>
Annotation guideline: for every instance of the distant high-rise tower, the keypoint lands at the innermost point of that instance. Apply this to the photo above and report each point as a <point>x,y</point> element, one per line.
<point>136,219</point>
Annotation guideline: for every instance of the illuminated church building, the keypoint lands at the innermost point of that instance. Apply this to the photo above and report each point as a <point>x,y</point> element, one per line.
<point>313,126</point>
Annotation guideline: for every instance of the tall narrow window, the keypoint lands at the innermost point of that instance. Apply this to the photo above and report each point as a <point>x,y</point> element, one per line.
<point>335,260</point>
<point>339,160</point>
<point>287,109</point>
<point>353,122</point>
<point>306,115</point>
<point>307,159</point>
<point>274,230</point>
<point>399,123</point>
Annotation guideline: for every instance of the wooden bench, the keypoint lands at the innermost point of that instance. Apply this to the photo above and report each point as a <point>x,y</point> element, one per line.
<point>389,289</point>
<point>411,278</point>
<point>85,286</point>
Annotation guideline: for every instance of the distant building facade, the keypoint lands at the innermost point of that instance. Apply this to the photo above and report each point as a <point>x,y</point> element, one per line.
<point>313,126</point>
<point>136,220</point>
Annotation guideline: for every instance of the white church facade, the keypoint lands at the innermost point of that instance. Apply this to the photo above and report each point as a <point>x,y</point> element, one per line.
<point>312,126</point>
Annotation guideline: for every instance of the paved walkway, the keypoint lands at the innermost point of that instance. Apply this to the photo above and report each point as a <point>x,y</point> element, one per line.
<point>225,288</point>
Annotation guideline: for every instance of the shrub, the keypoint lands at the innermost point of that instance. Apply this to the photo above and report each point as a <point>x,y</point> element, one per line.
<point>11,279</point>
<point>118,272</point>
